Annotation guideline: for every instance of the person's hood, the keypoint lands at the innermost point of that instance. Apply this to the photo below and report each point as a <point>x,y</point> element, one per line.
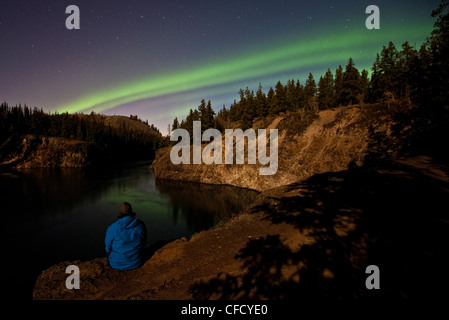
<point>127,222</point>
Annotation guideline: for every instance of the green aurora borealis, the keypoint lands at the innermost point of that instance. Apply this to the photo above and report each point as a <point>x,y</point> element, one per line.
<point>157,59</point>
<point>328,49</point>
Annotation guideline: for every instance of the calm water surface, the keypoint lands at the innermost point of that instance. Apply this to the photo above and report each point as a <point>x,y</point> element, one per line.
<point>53,215</point>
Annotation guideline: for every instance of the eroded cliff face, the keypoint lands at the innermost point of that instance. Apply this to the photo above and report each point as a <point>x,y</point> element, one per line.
<point>309,143</point>
<point>34,152</point>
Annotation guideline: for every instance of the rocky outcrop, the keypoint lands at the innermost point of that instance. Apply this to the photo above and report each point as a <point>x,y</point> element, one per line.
<point>309,143</point>
<point>170,271</point>
<point>326,229</point>
<point>31,151</point>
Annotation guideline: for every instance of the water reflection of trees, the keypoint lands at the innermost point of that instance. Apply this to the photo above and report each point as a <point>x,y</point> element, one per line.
<point>50,190</point>
<point>204,205</point>
<point>47,190</point>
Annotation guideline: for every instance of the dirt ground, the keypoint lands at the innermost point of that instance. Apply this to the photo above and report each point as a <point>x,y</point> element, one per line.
<point>171,271</point>
<point>311,239</point>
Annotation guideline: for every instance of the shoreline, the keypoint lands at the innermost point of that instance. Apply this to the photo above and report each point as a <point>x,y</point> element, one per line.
<point>265,251</point>
<point>167,265</point>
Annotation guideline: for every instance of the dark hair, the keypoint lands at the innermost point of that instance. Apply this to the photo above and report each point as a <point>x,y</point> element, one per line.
<point>126,210</point>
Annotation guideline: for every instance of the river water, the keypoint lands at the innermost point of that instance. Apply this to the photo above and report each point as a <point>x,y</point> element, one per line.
<point>53,215</point>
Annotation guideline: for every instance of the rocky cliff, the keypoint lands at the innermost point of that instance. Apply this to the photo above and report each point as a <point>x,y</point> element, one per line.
<point>323,227</point>
<point>22,150</point>
<point>31,151</point>
<point>309,143</point>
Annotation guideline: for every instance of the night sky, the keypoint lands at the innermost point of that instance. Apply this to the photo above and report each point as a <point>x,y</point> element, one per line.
<point>158,59</point>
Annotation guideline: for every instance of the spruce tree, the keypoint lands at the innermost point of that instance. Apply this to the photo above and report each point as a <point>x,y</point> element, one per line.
<point>439,49</point>
<point>205,114</point>
<point>175,124</point>
<point>261,102</point>
<point>364,85</point>
<point>299,88</point>
<point>377,79</point>
<point>406,58</point>
<point>351,84</point>
<point>326,91</point>
<point>310,91</point>
<point>250,104</point>
<point>202,109</point>
<point>338,85</point>
<point>188,125</point>
<point>389,70</point>
<point>208,117</point>
<point>280,99</point>
<point>271,101</point>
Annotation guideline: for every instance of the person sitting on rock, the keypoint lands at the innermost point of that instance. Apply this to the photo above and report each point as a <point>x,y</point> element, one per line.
<point>125,240</point>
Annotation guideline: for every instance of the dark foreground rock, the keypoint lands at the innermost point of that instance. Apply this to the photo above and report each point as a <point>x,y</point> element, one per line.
<point>311,239</point>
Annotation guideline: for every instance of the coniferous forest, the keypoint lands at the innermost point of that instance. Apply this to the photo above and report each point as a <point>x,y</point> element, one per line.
<point>116,142</point>
<point>418,77</point>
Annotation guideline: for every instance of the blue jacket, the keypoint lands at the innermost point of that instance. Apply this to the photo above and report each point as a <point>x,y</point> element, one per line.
<point>125,240</point>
